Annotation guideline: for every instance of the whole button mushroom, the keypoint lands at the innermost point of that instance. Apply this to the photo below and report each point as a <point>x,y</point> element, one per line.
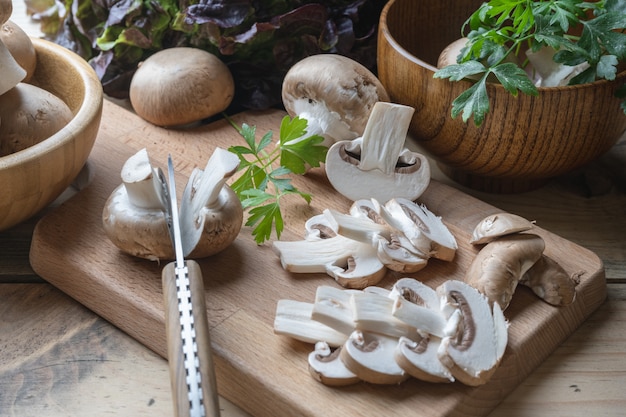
<point>335,94</point>
<point>179,86</point>
<point>12,72</point>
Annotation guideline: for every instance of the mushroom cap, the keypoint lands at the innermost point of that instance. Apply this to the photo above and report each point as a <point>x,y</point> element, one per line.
<point>21,47</point>
<point>499,224</point>
<point>29,115</point>
<point>6,10</point>
<point>142,233</point>
<point>342,85</point>
<point>178,86</point>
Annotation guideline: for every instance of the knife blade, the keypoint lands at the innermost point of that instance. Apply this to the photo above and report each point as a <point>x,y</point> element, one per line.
<point>192,373</point>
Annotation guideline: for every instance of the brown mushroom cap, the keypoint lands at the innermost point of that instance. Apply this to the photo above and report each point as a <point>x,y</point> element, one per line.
<point>178,86</point>
<point>30,115</point>
<point>6,9</point>
<point>344,85</point>
<point>21,47</point>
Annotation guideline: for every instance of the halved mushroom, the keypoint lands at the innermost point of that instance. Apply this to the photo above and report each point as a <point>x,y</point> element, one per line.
<point>418,223</point>
<point>377,165</point>
<point>294,319</point>
<point>334,93</point>
<point>370,356</point>
<point>499,224</point>
<point>134,215</point>
<point>474,352</point>
<point>326,366</point>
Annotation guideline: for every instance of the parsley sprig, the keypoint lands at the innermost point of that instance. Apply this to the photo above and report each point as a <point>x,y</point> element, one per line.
<point>580,31</point>
<point>266,171</point>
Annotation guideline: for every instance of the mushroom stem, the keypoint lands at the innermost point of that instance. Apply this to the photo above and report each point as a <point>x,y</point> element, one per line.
<point>221,166</point>
<point>384,137</point>
<point>142,182</point>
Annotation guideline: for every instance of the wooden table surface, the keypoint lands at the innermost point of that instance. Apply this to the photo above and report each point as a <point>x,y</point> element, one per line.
<point>58,358</point>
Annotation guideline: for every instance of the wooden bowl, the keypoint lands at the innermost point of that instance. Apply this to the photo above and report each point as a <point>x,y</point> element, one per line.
<point>523,141</point>
<point>32,178</point>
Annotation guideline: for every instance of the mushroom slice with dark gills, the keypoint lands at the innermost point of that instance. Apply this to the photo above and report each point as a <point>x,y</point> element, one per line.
<point>473,352</point>
<point>326,366</point>
<point>370,356</point>
<point>377,165</point>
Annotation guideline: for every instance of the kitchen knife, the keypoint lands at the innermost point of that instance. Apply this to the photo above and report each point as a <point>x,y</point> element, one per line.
<point>192,373</point>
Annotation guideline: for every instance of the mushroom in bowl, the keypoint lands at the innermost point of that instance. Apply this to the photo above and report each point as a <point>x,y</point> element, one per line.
<point>35,176</point>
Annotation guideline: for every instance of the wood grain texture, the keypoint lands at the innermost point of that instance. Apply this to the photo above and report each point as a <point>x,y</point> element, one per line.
<point>524,140</point>
<point>261,372</point>
<point>175,352</point>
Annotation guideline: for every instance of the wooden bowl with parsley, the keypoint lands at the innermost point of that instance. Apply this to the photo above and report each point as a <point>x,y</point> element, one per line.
<point>508,135</point>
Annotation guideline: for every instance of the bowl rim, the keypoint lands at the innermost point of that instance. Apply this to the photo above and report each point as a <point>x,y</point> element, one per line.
<point>84,115</point>
<point>384,29</point>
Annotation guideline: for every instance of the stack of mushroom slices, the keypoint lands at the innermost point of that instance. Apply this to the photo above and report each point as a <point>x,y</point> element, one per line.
<point>386,336</point>
<point>358,248</point>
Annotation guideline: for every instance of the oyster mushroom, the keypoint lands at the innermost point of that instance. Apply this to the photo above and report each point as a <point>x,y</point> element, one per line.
<point>326,366</point>
<point>334,93</point>
<point>473,353</point>
<point>376,165</point>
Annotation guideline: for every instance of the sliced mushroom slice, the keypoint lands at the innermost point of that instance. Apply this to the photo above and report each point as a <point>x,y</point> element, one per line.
<point>326,366</point>
<point>418,223</point>
<point>474,352</point>
<point>550,282</point>
<point>396,257</point>
<point>499,224</point>
<point>333,307</point>
<point>417,304</point>
<point>382,167</point>
<point>372,313</point>
<point>351,263</point>
<point>500,264</point>
<point>211,213</point>
<point>362,229</point>
<point>371,357</point>
<point>420,359</point>
<point>319,227</point>
<point>294,319</point>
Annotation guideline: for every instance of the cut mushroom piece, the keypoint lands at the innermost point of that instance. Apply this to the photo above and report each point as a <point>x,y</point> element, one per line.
<point>351,263</point>
<point>335,94</point>
<point>372,313</point>
<point>326,366</point>
<point>211,213</point>
<point>417,304</point>
<point>333,308</point>
<point>396,257</point>
<point>362,229</point>
<point>371,357</point>
<point>420,359</point>
<point>294,319</point>
<point>420,225</point>
<point>550,282</point>
<point>475,351</point>
<point>319,227</point>
<point>377,165</point>
<point>500,264</point>
<point>497,225</point>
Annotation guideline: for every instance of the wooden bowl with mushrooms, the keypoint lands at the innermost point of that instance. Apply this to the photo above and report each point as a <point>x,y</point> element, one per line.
<point>36,168</point>
<point>524,141</point>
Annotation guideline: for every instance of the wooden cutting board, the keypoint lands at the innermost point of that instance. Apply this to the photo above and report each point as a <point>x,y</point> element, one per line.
<point>264,373</point>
